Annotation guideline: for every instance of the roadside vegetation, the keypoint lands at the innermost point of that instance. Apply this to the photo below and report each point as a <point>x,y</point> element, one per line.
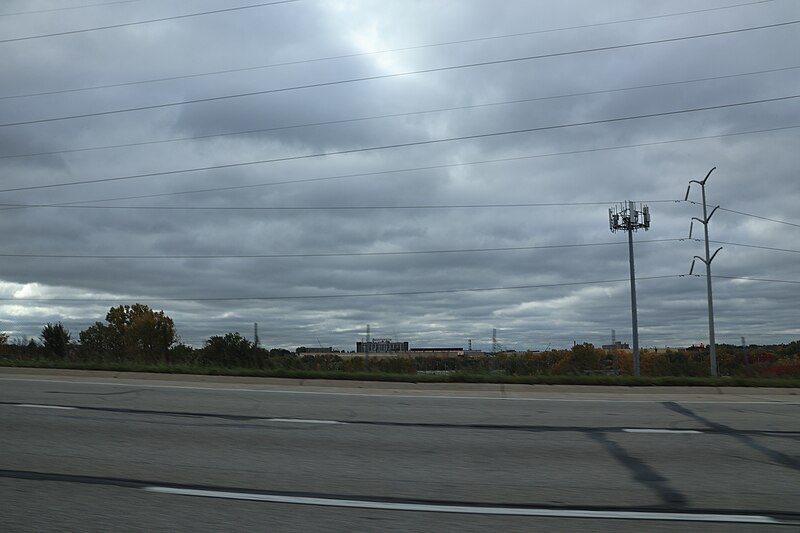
<point>137,338</point>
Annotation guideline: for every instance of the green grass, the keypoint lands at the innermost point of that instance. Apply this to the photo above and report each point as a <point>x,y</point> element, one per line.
<point>458,377</point>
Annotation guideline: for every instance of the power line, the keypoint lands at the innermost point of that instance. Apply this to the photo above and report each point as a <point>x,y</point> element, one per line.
<point>397,115</point>
<point>76,205</point>
<point>309,207</point>
<point>760,217</point>
<point>51,10</point>
<point>747,278</point>
<point>748,215</point>
<point>150,21</point>
<point>330,254</point>
<point>752,246</point>
<point>394,146</point>
<point>338,296</point>
<point>391,50</point>
<point>388,76</point>
<point>417,169</point>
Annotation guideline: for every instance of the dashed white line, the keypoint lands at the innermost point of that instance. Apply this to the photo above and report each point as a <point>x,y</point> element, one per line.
<point>468,509</point>
<point>35,406</point>
<point>303,421</point>
<point>655,430</point>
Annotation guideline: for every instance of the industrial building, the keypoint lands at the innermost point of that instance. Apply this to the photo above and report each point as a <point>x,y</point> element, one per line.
<point>381,346</point>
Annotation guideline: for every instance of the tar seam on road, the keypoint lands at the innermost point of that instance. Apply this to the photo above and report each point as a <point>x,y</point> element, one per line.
<point>427,425</point>
<point>443,396</point>
<point>774,455</point>
<point>642,472</point>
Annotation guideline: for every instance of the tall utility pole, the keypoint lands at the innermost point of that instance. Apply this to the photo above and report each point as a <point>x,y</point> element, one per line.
<point>744,351</point>
<point>712,347</point>
<point>628,218</point>
<point>366,351</point>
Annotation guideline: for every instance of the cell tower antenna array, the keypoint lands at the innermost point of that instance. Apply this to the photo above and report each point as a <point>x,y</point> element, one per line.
<point>627,218</point>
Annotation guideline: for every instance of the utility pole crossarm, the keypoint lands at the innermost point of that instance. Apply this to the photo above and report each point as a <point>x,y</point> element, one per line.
<point>712,350</point>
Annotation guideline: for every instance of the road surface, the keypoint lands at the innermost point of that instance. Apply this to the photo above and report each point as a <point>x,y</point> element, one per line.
<point>99,451</point>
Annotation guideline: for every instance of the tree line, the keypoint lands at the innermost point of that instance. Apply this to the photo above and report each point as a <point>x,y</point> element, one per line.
<point>138,334</point>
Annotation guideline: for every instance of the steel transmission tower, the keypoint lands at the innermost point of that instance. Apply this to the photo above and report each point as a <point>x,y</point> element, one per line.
<point>712,347</point>
<point>627,218</point>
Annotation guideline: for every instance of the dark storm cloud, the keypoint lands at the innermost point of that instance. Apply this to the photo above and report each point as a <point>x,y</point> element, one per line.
<point>756,172</point>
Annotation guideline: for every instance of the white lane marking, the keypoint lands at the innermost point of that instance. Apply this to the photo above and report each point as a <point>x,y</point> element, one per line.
<point>467,509</point>
<point>35,406</point>
<point>303,421</point>
<point>442,396</point>
<point>649,430</point>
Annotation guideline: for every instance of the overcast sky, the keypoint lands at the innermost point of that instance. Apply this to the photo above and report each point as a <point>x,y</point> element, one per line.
<point>376,162</point>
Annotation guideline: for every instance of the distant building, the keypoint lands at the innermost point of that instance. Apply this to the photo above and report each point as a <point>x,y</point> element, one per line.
<point>438,351</point>
<point>304,349</point>
<point>381,346</point>
<point>616,345</point>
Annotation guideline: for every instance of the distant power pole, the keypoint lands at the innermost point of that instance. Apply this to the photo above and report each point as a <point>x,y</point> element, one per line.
<point>744,351</point>
<point>366,351</point>
<point>712,345</point>
<point>628,218</point>
<point>494,341</point>
<point>256,341</point>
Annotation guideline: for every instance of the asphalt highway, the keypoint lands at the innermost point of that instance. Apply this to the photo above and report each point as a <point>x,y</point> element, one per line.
<point>85,451</point>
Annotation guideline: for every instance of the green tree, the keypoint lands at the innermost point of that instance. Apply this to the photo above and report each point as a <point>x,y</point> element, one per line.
<point>231,350</point>
<point>132,332</point>
<point>56,339</point>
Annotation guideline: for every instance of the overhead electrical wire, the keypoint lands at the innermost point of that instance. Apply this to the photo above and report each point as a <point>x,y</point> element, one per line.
<point>748,214</point>
<point>771,248</point>
<point>385,51</point>
<point>747,278</point>
<point>305,255</point>
<point>397,115</point>
<point>409,169</point>
<point>388,76</point>
<point>760,217</point>
<point>314,207</point>
<point>149,21</point>
<point>389,207</point>
<point>396,145</point>
<point>351,295</point>
<point>334,254</point>
<point>383,294</point>
<point>67,8</point>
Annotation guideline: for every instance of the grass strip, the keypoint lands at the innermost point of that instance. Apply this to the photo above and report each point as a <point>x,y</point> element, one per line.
<point>454,377</point>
